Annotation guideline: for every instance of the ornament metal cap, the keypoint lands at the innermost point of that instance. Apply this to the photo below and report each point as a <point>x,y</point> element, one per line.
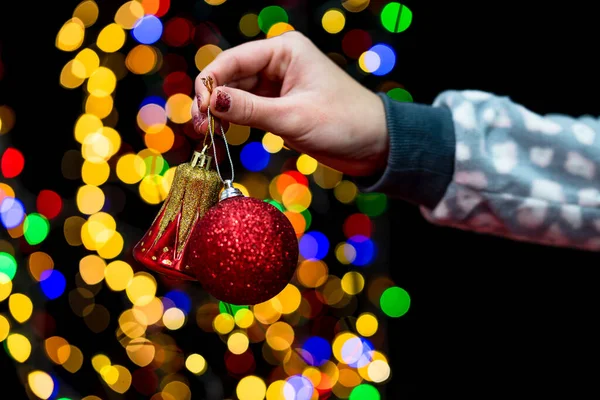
<point>229,191</point>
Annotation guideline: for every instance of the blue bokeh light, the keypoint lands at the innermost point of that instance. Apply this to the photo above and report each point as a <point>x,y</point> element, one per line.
<point>154,100</point>
<point>314,245</point>
<point>387,58</point>
<point>365,250</point>
<point>148,29</point>
<point>180,300</point>
<point>53,283</point>
<point>318,349</point>
<point>254,157</point>
<point>12,212</point>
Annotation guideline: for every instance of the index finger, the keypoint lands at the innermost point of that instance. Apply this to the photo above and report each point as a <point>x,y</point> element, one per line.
<point>243,61</point>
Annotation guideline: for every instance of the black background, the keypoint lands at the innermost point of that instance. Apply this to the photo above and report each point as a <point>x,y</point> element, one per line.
<point>524,326</point>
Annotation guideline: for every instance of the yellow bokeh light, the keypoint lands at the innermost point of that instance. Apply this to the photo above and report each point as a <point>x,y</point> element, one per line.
<point>142,289</point>
<point>173,318</point>
<point>179,108</point>
<point>345,192</point>
<point>75,360</point>
<point>152,189</point>
<point>70,36</point>
<point>196,364</point>
<point>133,323</point>
<point>111,38</point>
<point>118,275</point>
<point>112,247</point>
<point>289,298</point>
<point>38,263</point>
<point>98,231</point>
<point>363,369</point>
<point>333,20</point>
<point>96,148</point>
<point>268,312</point>
<point>296,197</point>
<point>249,25</point>
<point>279,28</point>
<point>131,168</point>
<point>90,62</point>
<point>237,134</point>
<point>68,79</point>
<point>355,5</point>
<point>313,375</point>
<point>128,14</point>
<point>223,323</point>
<point>379,371</point>
<point>114,140</point>
<point>57,349</point>
<point>338,344</point>
<point>5,286</point>
<point>99,361</point>
<point>87,11</point>
<point>141,351</point>
<point>205,55</point>
<point>19,347</point>
<point>99,106</point>
<point>238,342</point>
<point>345,253</point>
<point>326,177</point>
<point>142,59</point>
<point>4,328</point>
<point>41,384</point>
<point>72,230</point>
<point>94,174</point>
<point>90,199</point>
<point>280,336</point>
<point>20,307</point>
<point>176,390</point>
<point>153,310</point>
<point>215,2</point>
<point>110,374</point>
<point>161,141</point>
<point>123,379</point>
<point>7,119</point>
<point>367,324</point>
<point>298,222</point>
<point>86,125</point>
<point>353,282</point>
<point>306,164</point>
<point>279,389</point>
<point>251,388</point>
<point>244,318</point>
<point>102,82</point>
<point>272,143</point>
<point>91,268</point>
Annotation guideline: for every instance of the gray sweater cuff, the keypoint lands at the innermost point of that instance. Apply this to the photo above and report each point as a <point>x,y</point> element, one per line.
<point>421,158</point>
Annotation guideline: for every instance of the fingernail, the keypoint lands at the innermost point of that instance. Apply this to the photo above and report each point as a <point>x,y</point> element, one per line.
<point>197,120</point>
<point>223,101</point>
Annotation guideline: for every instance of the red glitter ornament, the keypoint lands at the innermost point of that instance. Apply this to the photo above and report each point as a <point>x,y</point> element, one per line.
<point>245,250</point>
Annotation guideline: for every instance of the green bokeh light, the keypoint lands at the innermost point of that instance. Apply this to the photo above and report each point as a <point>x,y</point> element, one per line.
<point>271,15</point>
<point>35,228</point>
<point>230,308</point>
<point>365,392</point>
<point>276,204</point>
<point>307,218</point>
<point>400,94</point>
<point>372,204</point>
<point>8,266</point>
<point>396,17</point>
<point>395,302</point>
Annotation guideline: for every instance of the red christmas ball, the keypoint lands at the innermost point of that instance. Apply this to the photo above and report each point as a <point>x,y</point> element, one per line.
<point>244,251</point>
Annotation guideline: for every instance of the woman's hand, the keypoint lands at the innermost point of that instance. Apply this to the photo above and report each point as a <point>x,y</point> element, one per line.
<point>287,86</point>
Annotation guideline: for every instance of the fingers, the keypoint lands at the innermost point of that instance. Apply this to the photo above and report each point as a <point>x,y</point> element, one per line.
<point>244,108</point>
<point>271,55</point>
<point>200,121</point>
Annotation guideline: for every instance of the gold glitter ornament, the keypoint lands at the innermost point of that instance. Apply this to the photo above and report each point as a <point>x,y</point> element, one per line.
<point>194,190</point>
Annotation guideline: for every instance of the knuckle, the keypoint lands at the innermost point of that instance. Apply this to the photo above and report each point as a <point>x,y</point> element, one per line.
<point>249,110</point>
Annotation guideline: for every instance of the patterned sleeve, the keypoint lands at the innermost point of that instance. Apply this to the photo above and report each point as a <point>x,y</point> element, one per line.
<point>521,175</point>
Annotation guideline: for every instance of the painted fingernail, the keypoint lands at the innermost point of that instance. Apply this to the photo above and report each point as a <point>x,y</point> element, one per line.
<point>223,101</point>
<point>197,120</point>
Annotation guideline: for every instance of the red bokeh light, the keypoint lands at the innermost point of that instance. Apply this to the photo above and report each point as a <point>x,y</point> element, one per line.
<point>49,204</point>
<point>12,163</point>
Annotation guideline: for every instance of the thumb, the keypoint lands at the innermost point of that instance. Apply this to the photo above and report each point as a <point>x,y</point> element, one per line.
<point>244,108</point>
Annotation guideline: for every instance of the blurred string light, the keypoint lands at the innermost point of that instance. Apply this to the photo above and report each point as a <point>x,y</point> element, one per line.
<point>312,352</point>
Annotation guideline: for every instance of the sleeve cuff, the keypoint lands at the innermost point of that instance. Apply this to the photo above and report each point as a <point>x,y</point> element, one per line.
<point>421,158</point>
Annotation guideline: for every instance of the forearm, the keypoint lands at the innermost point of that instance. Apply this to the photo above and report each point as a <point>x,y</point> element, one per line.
<point>514,173</point>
